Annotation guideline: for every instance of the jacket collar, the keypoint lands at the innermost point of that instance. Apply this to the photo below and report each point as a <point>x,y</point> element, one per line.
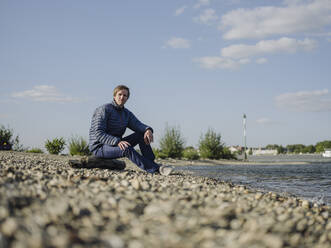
<point>116,106</point>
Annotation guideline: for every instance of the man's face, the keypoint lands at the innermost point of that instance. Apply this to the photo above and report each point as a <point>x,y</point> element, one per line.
<point>121,97</point>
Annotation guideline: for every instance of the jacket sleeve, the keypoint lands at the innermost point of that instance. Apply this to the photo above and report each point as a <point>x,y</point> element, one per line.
<point>99,127</point>
<point>137,126</point>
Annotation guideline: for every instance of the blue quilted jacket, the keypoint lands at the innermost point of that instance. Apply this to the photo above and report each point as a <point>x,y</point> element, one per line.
<point>109,123</point>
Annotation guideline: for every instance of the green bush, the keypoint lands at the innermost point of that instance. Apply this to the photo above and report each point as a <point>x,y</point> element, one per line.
<point>210,145</point>
<point>227,154</point>
<point>5,135</point>
<point>55,146</point>
<point>190,153</point>
<point>158,153</point>
<point>35,150</point>
<point>172,143</point>
<point>321,146</point>
<point>7,141</point>
<point>78,146</point>
<point>309,149</point>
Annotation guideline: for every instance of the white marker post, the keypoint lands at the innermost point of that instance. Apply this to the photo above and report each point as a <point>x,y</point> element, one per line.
<point>244,123</point>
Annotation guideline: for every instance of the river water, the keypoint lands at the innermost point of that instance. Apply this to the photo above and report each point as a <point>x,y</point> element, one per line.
<point>307,181</point>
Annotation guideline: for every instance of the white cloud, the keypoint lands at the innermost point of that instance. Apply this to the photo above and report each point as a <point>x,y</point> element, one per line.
<point>321,34</point>
<point>244,61</point>
<point>44,93</point>
<point>261,61</point>
<point>202,3</point>
<point>180,10</point>
<point>177,42</point>
<point>305,101</point>
<point>292,2</point>
<point>284,44</point>
<point>326,35</point>
<point>296,17</point>
<point>216,62</point>
<point>207,16</point>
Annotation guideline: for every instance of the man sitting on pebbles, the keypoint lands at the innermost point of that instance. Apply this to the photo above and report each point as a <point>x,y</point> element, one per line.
<point>109,123</point>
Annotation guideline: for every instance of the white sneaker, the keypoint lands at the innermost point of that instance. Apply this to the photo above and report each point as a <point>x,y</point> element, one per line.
<point>165,170</point>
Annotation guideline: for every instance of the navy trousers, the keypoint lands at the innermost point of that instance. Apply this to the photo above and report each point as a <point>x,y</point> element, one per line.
<point>144,161</point>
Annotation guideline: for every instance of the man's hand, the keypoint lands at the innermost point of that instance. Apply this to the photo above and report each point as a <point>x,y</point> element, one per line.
<point>148,137</point>
<point>123,145</point>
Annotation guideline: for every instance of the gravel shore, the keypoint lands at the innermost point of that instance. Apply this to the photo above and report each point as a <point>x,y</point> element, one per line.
<point>44,202</point>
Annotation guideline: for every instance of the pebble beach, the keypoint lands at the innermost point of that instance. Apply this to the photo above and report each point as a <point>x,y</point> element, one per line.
<point>45,202</point>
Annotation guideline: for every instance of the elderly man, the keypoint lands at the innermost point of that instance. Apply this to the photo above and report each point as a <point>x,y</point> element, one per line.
<point>109,123</point>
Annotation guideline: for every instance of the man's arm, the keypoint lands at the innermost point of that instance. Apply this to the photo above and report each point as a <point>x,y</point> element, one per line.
<point>99,125</point>
<point>137,126</point>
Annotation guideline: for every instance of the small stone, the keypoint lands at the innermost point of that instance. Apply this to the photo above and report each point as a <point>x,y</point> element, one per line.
<point>273,241</point>
<point>145,185</point>
<point>112,202</point>
<point>61,241</point>
<point>125,183</point>
<point>328,226</point>
<point>241,188</point>
<point>135,184</point>
<point>3,213</point>
<point>302,225</point>
<point>282,217</point>
<point>56,207</point>
<point>135,244</point>
<point>236,224</point>
<point>208,244</point>
<point>274,196</point>
<point>153,210</point>
<point>258,196</point>
<point>9,227</point>
<point>34,241</point>
<point>323,238</point>
<point>295,240</point>
<point>115,241</point>
<point>311,222</point>
<point>325,215</point>
<point>252,239</point>
<point>207,233</point>
<point>305,204</point>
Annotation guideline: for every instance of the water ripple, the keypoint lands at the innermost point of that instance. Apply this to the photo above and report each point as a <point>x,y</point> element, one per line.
<point>309,181</point>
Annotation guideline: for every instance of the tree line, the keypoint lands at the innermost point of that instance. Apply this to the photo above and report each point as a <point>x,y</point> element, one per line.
<point>300,148</point>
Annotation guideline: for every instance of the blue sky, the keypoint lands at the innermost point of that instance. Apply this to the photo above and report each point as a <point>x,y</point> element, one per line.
<point>194,64</point>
